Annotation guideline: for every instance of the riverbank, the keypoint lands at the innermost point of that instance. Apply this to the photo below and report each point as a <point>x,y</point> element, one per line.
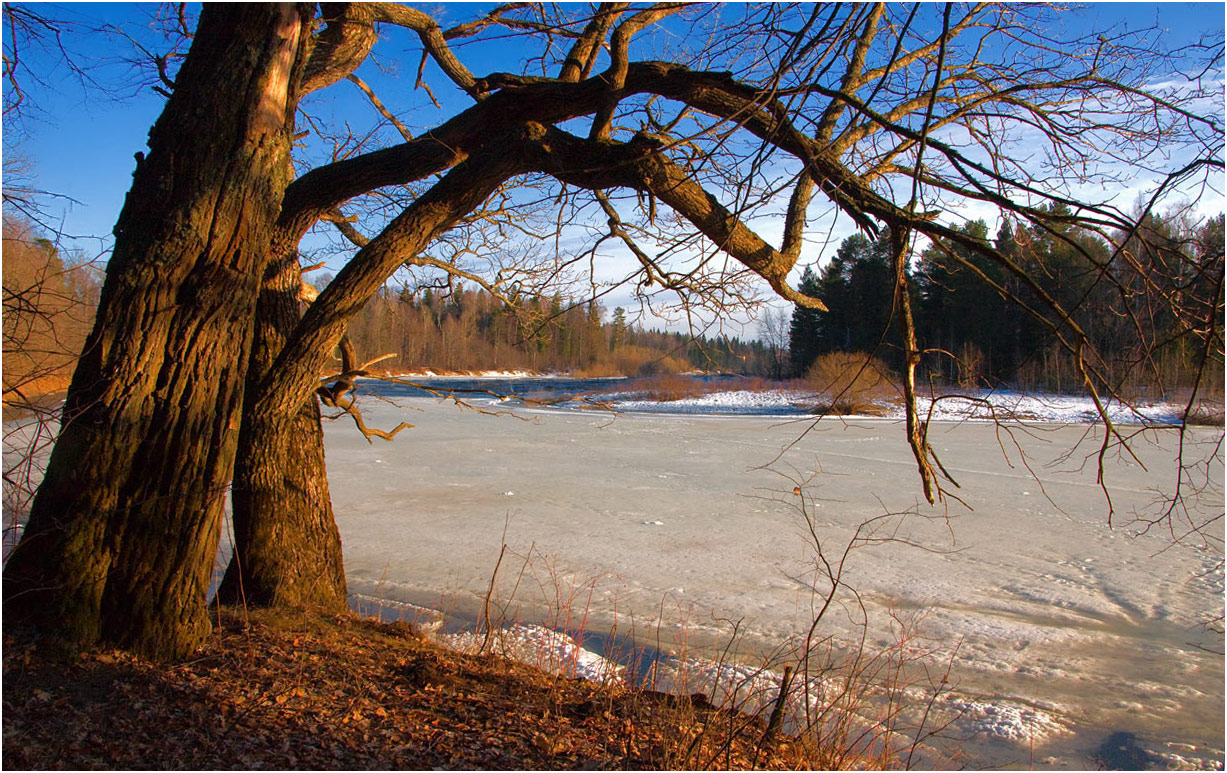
<point>300,691</point>
<point>733,395</point>
<point>674,528</point>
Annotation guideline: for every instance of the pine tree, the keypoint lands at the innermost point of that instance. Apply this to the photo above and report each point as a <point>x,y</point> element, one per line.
<point>804,332</point>
<point>619,329</point>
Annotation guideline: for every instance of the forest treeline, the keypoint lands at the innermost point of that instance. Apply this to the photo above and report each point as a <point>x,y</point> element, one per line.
<point>971,334</point>
<point>49,305</point>
<point>50,301</point>
<point>468,329</point>
<point>1134,298</point>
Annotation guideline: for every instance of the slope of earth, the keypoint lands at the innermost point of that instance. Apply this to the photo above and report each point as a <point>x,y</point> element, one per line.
<point>306,692</point>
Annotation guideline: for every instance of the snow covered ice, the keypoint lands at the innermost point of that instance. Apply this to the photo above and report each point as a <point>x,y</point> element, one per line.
<point>668,527</point>
<point>542,647</point>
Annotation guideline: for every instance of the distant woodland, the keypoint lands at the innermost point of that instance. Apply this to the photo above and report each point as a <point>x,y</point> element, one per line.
<point>471,330</point>
<point>977,324</point>
<point>50,301</point>
<point>971,335</point>
<point>49,305</point>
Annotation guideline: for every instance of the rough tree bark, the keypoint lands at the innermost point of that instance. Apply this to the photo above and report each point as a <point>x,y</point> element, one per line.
<point>124,529</point>
<point>287,550</point>
<point>287,547</point>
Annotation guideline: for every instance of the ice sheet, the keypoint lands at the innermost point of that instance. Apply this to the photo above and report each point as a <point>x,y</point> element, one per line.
<point>673,528</point>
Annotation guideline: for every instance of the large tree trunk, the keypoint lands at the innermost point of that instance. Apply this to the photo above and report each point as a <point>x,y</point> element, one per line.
<point>287,547</point>
<point>287,550</point>
<point>124,529</point>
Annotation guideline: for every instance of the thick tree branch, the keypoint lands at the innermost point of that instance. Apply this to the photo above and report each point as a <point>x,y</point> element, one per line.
<point>545,100</point>
<point>432,39</point>
<point>640,165</point>
<point>334,395</point>
<point>343,44</point>
<point>717,94</point>
<point>583,53</point>
<point>619,48</point>
<point>460,191</point>
<point>794,220</point>
<point>852,75</point>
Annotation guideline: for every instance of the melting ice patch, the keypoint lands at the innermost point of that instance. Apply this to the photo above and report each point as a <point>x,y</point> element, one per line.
<point>541,647</point>
<point>969,406</point>
<point>1189,757</point>
<point>1062,409</point>
<point>1019,723</point>
<point>745,688</point>
<point>740,402</point>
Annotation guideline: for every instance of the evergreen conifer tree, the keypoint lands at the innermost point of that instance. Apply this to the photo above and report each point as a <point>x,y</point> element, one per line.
<point>803,333</point>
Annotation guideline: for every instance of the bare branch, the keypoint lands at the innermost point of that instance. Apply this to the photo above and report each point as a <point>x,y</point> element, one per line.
<point>378,105</point>
<point>432,39</point>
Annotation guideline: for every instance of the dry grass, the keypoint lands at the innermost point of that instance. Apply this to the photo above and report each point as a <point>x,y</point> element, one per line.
<point>1207,413</point>
<point>36,386</point>
<point>299,691</point>
<point>36,396</point>
<point>832,707</point>
<point>1207,408</point>
<point>669,387</point>
<point>850,382</point>
<point>633,361</point>
<point>672,387</point>
<point>597,370</point>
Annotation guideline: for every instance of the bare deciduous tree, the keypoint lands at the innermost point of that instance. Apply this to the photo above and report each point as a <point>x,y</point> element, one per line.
<point>710,142</point>
<point>48,308</point>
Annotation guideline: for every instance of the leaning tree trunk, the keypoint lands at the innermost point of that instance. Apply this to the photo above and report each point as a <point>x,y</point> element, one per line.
<point>287,550</point>
<point>124,528</point>
<point>287,546</point>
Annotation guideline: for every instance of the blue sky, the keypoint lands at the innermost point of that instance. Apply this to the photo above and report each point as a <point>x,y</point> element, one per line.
<point>80,141</point>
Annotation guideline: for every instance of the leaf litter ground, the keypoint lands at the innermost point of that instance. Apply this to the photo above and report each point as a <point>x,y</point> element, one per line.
<point>311,692</point>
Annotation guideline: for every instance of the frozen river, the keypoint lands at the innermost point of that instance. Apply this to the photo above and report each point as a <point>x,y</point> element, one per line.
<point>1074,643</point>
<point>672,528</point>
